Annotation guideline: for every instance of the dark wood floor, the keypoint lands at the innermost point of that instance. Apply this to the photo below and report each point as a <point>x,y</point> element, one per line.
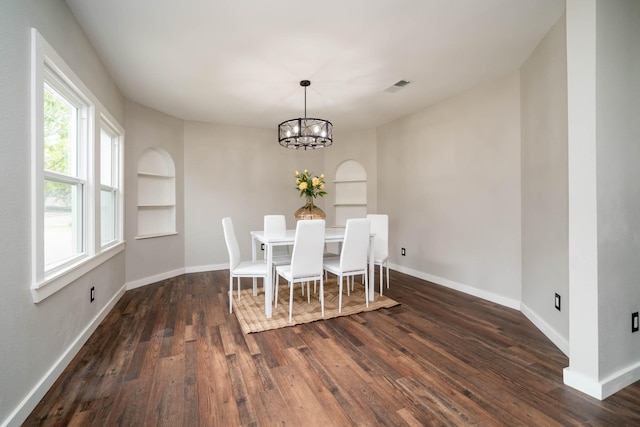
<point>170,354</point>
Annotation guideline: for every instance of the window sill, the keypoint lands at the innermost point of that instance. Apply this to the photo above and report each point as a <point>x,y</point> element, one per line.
<point>51,285</point>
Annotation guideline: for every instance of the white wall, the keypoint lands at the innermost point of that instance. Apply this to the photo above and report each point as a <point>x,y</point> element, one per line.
<point>242,173</point>
<point>449,178</point>
<point>150,260</point>
<point>38,340</point>
<point>545,209</point>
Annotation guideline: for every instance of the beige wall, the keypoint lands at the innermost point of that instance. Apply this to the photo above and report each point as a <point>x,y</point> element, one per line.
<point>449,178</point>
<point>545,190</point>
<point>242,173</point>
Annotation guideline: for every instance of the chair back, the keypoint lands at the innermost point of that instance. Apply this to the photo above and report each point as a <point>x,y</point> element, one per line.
<point>276,226</point>
<point>353,256</point>
<point>380,227</point>
<point>308,247</point>
<point>232,243</point>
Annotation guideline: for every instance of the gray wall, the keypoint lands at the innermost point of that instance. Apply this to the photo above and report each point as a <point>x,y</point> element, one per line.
<point>362,147</point>
<point>603,64</point>
<point>545,227</point>
<point>449,178</point>
<point>618,181</point>
<point>242,173</point>
<point>465,185</point>
<point>152,259</point>
<point>36,337</point>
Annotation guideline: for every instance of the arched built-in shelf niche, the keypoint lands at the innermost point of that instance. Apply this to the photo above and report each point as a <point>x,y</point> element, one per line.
<point>351,191</point>
<point>156,194</point>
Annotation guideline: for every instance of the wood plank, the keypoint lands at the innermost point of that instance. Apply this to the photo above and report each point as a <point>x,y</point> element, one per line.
<point>171,354</point>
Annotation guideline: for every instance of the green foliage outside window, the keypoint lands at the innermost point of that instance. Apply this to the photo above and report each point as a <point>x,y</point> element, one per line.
<point>58,116</point>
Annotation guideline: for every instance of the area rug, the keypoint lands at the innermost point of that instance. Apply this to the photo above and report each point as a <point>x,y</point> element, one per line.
<point>250,309</point>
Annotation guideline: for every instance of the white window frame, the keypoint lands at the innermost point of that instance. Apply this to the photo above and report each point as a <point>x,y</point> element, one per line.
<point>48,66</point>
<point>83,154</point>
<point>117,161</point>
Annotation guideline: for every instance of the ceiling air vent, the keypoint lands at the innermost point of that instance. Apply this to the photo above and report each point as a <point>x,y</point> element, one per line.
<point>397,86</point>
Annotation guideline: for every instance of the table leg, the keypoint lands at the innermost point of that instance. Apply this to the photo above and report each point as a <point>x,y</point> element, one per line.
<point>371,268</point>
<point>254,254</point>
<point>268,283</point>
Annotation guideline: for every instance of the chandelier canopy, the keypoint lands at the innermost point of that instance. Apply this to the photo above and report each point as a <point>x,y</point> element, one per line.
<point>305,133</point>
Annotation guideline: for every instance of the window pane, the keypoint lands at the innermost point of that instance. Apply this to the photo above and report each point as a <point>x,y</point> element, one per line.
<point>62,222</point>
<point>107,216</point>
<point>106,158</point>
<point>60,134</point>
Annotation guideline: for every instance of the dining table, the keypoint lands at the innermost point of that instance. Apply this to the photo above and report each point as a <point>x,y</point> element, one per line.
<point>258,238</point>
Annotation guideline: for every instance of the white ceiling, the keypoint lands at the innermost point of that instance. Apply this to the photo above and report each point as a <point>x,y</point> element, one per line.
<point>240,61</point>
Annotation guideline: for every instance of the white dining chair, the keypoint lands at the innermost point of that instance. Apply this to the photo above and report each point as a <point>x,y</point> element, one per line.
<point>353,257</point>
<point>306,260</point>
<point>274,226</point>
<point>238,268</point>
<point>380,227</point>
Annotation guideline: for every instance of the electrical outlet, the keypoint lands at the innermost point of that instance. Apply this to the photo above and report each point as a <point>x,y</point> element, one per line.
<point>93,294</point>
<point>634,322</point>
<point>557,303</point>
<point>403,252</point>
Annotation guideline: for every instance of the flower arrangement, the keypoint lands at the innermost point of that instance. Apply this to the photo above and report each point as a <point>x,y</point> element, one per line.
<point>310,186</point>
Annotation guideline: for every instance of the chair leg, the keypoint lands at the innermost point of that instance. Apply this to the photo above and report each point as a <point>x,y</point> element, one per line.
<point>290,300</point>
<point>230,293</point>
<point>275,292</point>
<point>238,288</point>
<point>340,293</point>
<point>322,295</point>
<point>366,288</point>
<point>387,264</point>
<point>381,279</point>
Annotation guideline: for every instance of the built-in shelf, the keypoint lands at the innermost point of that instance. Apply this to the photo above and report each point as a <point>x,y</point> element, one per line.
<point>155,175</point>
<point>151,236</point>
<point>156,194</point>
<point>350,192</point>
<point>346,181</point>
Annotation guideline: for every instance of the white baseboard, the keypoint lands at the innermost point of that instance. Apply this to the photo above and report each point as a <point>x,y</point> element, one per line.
<point>153,279</point>
<point>606,387</point>
<point>203,268</point>
<point>561,342</point>
<point>32,399</point>
<point>489,296</point>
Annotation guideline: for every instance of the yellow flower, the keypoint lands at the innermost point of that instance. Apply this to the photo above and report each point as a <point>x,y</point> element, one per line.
<point>306,171</point>
<point>321,176</point>
<point>302,186</point>
<point>315,181</point>
<point>297,173</point>
<point>321,187</point>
